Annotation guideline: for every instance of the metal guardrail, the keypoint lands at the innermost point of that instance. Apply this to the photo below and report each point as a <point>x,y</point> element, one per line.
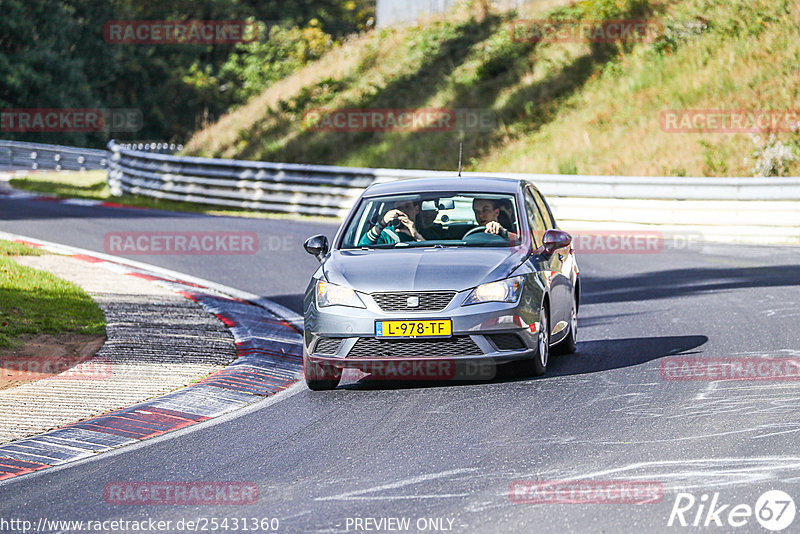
<point>329,190</point>
<point>755,208</point>
<point>723,209</point>
<point>35,156</point>
<point>17,155</point>
<point>278,187</point>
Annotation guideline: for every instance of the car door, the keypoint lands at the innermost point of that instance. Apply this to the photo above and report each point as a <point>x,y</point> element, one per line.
<point>546,265</point>
<point>560,269</point>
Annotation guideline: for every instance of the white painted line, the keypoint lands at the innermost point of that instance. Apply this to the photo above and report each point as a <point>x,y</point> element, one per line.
<point>227,413</point>
<point>122,449</point>
<point>81,202</point>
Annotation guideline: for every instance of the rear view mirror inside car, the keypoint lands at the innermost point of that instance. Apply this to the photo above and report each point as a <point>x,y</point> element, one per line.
<point>441,204</point>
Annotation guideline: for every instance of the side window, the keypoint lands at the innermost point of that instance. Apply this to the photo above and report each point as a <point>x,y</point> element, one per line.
<point>537,224</point>
<point>544,209</point>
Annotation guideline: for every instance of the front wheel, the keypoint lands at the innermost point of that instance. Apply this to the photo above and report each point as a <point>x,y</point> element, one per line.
<point>321,377</point>
<point>538,365</point>
<point>570,343</point>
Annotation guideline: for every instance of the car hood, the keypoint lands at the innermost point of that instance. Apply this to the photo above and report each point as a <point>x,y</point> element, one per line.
<point>421,269</point>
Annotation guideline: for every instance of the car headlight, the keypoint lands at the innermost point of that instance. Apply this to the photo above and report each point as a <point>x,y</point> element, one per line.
<point>332,295</point>
<point>507,290</point>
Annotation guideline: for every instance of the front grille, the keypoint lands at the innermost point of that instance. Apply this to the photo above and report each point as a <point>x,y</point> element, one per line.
<point>507,341</point>
<point>328,345</point>
<point>428,301</point>
<point>367,347</point>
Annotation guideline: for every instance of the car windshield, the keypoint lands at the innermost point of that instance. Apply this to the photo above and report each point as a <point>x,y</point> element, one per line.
<point>434,219</point>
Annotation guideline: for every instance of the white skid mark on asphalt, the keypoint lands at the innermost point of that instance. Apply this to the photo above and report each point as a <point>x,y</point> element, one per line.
<point>699,473</point>
<point>703,395</point>
<point>357,495</point>
<point>777,433</point>
<point>304,512</point>
<point>397,497</point>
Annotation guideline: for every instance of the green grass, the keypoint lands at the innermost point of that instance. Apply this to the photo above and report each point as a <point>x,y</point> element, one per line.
<point>79,184</point>
<point>9,248</point>
<point>92,185</point>
<point>560,107</point>
<point>36,302</point>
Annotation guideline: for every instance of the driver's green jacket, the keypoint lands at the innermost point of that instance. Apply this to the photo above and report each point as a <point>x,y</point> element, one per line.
<point>387,237</point>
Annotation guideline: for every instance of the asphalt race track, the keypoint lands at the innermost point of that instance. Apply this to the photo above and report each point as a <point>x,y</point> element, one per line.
<point>450,452</point>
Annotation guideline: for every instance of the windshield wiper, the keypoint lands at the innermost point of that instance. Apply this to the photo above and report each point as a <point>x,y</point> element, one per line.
<point>424,244</point>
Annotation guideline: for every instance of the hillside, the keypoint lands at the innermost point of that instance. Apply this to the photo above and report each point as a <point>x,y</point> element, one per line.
<point>553,107</point>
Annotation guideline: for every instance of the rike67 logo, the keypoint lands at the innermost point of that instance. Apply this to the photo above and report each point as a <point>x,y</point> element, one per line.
<point>774,510</point>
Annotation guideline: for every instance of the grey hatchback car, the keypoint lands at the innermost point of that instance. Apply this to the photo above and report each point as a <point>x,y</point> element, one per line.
<point>441,279</point>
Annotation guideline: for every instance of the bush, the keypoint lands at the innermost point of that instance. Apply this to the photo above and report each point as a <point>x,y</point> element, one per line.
<point>773,157</point>
<point>254,66</point>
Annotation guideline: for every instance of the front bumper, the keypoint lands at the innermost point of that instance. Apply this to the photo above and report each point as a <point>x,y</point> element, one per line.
<point>343,337</point>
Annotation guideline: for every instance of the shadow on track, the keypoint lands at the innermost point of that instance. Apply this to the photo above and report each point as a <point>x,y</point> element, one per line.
<point>683,282</point>
<point>608,354</point>
<point>592,357</point>
<point>52,208</point>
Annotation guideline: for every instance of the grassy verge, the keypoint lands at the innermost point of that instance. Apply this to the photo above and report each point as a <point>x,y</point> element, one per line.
<point>9,248</point>
<point>560,107</point>
<point>92,185</point>
<point>36,302</point>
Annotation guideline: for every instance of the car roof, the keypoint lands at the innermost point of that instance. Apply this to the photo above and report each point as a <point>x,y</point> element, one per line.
<point>472,184</point>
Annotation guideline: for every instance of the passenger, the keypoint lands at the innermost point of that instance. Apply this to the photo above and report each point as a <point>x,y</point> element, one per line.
<point>405,212</point>
<point>427,227</point>
<point>487,212</point>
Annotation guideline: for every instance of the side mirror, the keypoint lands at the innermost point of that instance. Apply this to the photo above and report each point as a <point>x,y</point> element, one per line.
<point>317,246</point>
<point>554,240</point>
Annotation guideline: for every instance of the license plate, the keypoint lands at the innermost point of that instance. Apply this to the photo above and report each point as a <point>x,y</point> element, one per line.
<point>421,328</point>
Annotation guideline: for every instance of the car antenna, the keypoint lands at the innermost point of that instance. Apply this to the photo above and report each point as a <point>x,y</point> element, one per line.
<point>460,146</point>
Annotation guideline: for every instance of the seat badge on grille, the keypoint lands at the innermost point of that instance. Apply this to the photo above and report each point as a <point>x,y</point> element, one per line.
<point>412,302</point>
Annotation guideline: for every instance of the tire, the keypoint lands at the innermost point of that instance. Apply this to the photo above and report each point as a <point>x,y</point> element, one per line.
<point>321,377</point>
<point>322,385</point>
<point>538,366</point>
<point>570,343</point>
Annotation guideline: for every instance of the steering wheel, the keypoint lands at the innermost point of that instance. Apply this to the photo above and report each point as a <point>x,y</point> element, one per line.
<point>474,231</point>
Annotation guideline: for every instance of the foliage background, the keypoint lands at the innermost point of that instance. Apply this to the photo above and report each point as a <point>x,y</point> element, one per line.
<point>52,55</point>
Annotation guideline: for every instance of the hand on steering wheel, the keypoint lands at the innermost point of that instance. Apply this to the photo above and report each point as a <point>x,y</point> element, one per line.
<point>494,227</point>
<point>474,231</point>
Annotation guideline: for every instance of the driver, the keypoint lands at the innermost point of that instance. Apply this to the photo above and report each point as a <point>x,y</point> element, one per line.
<point>405,212</point>
<point>487,211</point>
